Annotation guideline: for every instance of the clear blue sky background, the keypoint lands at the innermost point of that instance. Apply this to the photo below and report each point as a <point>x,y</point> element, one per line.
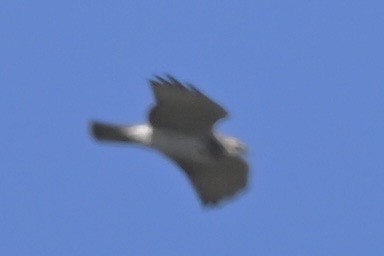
<point>303,81</point>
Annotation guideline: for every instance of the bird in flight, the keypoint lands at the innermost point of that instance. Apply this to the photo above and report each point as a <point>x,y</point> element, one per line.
<point>181,127</point>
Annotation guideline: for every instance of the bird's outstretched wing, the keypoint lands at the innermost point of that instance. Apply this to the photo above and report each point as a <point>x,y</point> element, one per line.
<point>216,180</point>
<point>183,109</point>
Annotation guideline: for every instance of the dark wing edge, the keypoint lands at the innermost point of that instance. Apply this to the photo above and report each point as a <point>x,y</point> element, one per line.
<point>172,84</point>
<point>217,183</point>
<point>183,108</point>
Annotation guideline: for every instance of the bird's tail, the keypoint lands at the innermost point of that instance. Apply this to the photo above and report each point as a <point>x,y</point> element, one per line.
<point>108,132</point>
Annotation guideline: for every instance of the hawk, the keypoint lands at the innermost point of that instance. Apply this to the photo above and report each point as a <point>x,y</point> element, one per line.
<point>181,127</point>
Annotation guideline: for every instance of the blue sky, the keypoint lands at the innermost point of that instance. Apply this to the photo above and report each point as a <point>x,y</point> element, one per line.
<point>302,80</point>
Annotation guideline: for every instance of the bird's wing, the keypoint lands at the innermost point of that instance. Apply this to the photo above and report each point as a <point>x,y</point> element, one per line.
<point>217,180</point>
<point>183,109</point>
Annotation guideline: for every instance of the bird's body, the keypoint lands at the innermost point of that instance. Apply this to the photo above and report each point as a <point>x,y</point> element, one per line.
<point>170,143</point>
<point>180,127</point>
